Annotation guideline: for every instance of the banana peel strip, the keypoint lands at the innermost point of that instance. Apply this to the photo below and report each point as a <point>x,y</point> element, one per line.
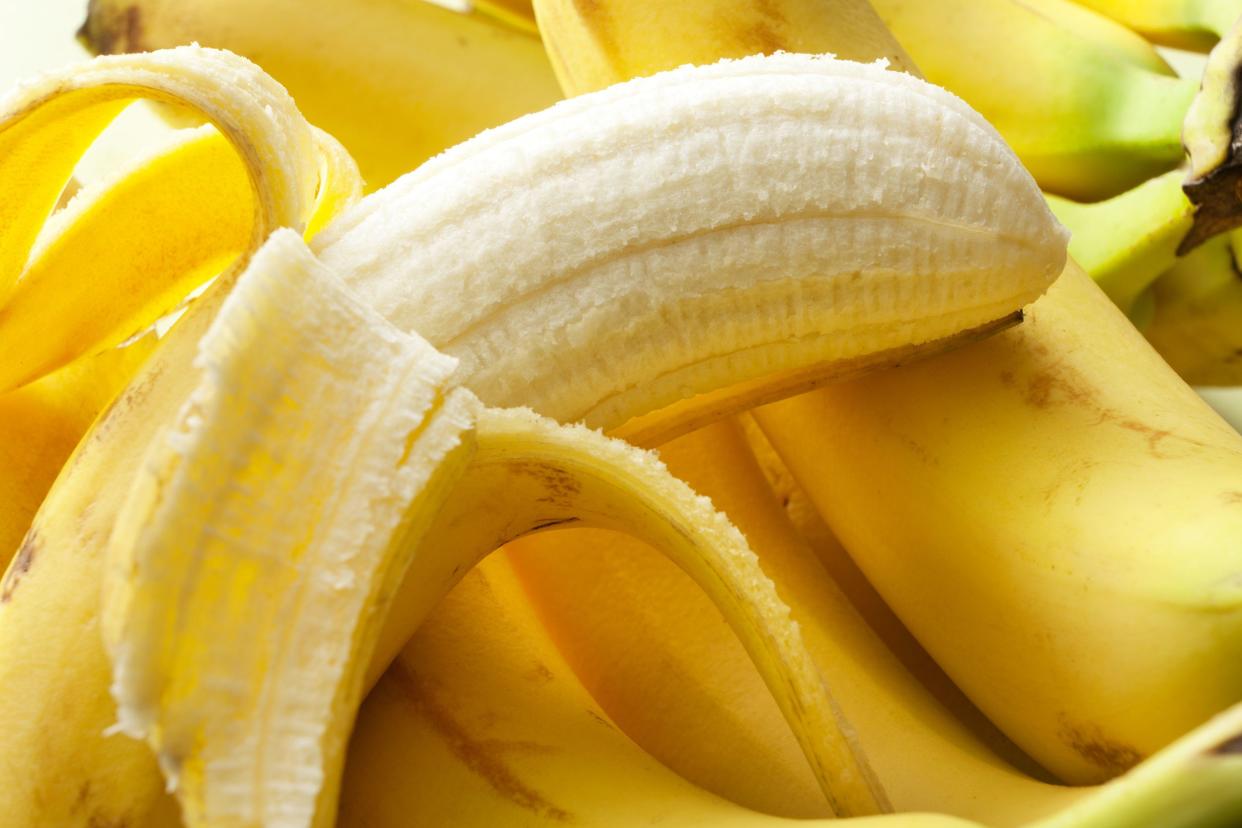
<point>78,281</point>
<point>123,256</point>
<point>324,460</point>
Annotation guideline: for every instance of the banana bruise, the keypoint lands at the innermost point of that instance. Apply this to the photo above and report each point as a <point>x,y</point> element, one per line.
<point>1086,119</point>
<point>707,228</point>
<point>269,526</point>
<point>402,79</point>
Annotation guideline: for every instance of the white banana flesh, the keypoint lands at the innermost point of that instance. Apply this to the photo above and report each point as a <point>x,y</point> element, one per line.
<point>700,228</point>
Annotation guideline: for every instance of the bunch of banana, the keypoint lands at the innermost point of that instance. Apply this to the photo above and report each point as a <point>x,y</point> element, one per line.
<point>1017,369</point>
<point>261,527</point>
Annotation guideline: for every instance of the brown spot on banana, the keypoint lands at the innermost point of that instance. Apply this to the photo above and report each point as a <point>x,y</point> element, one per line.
<point>1229,747</point>
<point>111,30</point>
<point>485,757</point>
<point>1091,743</point>
<point>21,565</point>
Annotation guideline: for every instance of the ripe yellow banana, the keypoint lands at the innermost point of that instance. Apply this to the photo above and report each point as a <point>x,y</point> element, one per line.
<point>1197,317</point>
<point>481,722</point>
<point>1085,118</point>
<point>1049,600</point>
<point>397,81</point>
<point>1186,24</point>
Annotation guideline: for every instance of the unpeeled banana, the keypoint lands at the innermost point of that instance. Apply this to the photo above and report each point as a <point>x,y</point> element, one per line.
<point>1086,117</point>
<point>397,81</point>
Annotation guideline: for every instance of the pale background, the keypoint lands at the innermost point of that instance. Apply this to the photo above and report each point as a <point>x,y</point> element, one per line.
<point>36,35</point>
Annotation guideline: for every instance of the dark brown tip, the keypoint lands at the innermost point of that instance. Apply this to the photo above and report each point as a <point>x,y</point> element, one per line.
<point>110,29</point>
<point>1217,198</point>
<point>1229,747</point>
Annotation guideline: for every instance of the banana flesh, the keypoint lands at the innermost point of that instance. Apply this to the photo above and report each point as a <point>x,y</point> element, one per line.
<point>731,251</point>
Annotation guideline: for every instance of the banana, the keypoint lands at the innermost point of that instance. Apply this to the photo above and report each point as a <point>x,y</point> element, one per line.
<point>1128,241</point>
<point>1073,390</point>
<point>1084,117</point>
<point>480,721</point>
<point>1184,24</point>
<point>1197,320</point>
<point>755,250</point>
<point>397,81</point>
<point>1124,476</point>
